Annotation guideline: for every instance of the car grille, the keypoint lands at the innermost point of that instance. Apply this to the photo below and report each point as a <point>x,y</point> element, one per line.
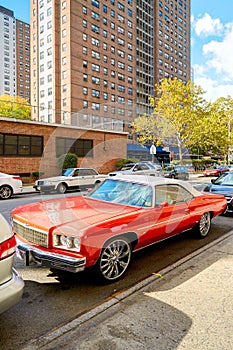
<point>229,199</point>
<point>31,234</point>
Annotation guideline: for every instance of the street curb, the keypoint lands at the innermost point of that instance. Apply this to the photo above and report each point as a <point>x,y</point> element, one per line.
<point>46,339</point>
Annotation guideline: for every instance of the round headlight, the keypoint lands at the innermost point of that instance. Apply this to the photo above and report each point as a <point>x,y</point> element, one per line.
<point>63,240</point>
<point>56,240</point>
<point>77,243</point>
<point>69,242</point>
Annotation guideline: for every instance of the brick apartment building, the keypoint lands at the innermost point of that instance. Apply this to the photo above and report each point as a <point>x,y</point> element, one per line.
<point>93,67</point>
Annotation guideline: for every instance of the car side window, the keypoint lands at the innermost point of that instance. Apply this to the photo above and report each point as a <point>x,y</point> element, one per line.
<point>87,172</point>
<point>171,194</point>
<point>76,173</point>
<point>83,172</point>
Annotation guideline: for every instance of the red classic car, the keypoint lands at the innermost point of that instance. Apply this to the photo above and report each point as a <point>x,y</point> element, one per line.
<point>103,228</point>
<point>216,172</point>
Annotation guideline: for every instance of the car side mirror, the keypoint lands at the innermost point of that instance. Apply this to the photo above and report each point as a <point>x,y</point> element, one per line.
<point>212,181</point>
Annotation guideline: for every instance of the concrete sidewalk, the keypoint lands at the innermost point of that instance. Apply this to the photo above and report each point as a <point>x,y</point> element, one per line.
<point>187,306</point>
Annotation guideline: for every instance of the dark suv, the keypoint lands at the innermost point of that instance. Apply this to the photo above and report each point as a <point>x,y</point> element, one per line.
<point>177,172</point>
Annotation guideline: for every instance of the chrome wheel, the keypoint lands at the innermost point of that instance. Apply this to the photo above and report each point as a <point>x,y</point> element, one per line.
<point>114,259</point>
<point>204,225</point>
<point>5,192</point>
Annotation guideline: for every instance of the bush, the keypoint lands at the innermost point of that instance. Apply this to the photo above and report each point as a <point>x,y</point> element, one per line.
<point>68,160</point>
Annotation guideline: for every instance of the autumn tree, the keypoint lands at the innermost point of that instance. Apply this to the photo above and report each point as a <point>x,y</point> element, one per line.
<point>14,107</point>
<point>177,107</point>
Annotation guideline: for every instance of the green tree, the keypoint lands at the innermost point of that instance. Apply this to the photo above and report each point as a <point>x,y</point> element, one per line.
<point>213,133</point>
<point>177,107</point>
<point>14,107</point>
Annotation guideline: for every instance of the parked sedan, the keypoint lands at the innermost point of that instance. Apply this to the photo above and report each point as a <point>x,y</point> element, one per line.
<point>9,185</point>
<point>216,172</point>
<point>223,185</point>
<point>122,215</point>
<point>142,168</point>
<point>177,172</point>
<point>11,284</point>
<point>71,179</point>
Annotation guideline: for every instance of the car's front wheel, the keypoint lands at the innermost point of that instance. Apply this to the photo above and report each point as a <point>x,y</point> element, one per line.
<point>5,192</point>
<point>61,188</point>
<point>114,259</point>
<point>203,226</point>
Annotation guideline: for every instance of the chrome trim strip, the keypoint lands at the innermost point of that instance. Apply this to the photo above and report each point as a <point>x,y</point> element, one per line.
<point>59,261</point>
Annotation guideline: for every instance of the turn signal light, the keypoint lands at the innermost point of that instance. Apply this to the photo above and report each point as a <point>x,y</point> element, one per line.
<point>7,248</point>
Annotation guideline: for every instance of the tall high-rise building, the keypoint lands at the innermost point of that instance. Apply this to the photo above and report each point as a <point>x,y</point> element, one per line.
<point>163,46</point>
<point>83,61</point>
<point>145,18</point>
<point>172,40</point>
<point>15,57</point>
<point>96,62</point>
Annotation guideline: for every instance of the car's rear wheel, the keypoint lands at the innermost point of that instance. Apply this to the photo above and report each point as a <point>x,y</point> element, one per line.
<point>61,188</point>
<point>5,192</point>
<point>114,259</point>
<point>203,227</point>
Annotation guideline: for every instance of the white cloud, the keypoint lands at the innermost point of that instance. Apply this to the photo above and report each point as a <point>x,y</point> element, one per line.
<point>214,89</point>
<point>219,55</point>
<point>215,73</point>
<point>207,26</point>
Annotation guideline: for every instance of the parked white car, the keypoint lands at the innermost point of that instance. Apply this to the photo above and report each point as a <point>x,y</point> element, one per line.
<point>141,168</point>
<point>9,185</point>
<point>71,179</point>
<point>11,284</point>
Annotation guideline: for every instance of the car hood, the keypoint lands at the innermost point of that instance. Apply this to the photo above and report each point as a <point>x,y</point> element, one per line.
<point>223,189</point>
<point>79,212</point>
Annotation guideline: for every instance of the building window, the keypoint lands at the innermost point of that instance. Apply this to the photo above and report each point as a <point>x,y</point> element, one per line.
<point>80,147</point>
<point>95,3</point>
<point>21,145</point>
<point>95,93</point>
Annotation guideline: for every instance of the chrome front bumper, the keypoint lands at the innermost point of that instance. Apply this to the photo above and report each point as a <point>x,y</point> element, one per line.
<point>33,255</point>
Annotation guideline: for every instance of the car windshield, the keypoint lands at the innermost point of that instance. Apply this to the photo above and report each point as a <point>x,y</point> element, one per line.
<point>122,192</point>
<point>224,179</point>
<point>127,167</point>
<point>67,172</point>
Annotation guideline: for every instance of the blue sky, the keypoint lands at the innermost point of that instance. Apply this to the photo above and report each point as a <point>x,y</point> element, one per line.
<point>211,42</point>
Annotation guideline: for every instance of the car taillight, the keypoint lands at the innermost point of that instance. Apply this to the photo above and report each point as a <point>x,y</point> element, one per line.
<point>16,177</point>
<point>7,248</point>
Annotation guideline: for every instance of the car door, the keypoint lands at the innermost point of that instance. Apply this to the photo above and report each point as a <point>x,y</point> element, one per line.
<point>170,216</point>
<point>87,177</point>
